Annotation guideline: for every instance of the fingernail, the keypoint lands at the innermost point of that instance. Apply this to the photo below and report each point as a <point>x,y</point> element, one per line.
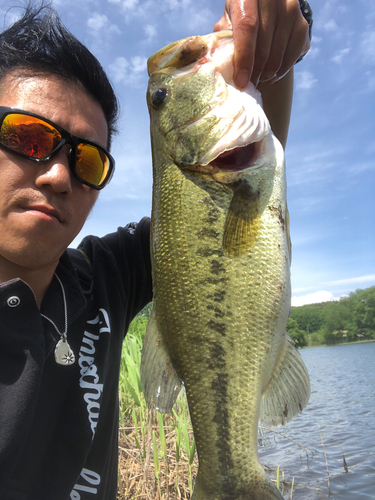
<point>242,78</point>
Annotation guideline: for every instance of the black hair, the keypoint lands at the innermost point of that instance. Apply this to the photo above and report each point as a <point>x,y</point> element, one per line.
<point>39,42</point>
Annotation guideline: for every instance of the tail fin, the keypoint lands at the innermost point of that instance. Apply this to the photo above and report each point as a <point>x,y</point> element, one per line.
<point>259,487</point>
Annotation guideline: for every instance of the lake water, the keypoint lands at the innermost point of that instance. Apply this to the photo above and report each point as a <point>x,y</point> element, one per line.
<point>341,414</point>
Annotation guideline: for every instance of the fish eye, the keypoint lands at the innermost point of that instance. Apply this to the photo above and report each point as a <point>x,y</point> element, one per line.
<point>159,96</point>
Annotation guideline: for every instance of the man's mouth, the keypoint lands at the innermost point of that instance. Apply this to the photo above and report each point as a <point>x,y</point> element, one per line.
<point>45,211</point>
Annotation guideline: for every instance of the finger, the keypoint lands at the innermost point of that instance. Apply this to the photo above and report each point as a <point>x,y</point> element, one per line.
<point>265,41</point>
<point>223,23</point>
<point>299,45</point>
<point>279,47</point>
<point>245,21</point>
<point>289,42</point>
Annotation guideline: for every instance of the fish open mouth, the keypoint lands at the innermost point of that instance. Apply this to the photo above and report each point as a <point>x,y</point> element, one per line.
<point>237,159</point>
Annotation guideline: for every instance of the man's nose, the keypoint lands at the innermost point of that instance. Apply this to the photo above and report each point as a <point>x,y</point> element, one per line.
<point>56,172</point>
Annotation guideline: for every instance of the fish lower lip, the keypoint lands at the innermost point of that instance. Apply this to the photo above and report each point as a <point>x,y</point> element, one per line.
<point>236,159</point>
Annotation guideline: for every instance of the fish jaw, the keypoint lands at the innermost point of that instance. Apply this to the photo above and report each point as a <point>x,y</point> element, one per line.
<point>187,51</point>
<point>219,117</point>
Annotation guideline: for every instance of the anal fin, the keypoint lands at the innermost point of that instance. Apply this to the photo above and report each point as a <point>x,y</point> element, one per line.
<point>160,382</point>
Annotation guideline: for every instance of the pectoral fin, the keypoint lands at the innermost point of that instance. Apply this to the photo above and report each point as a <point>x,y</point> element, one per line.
<point>288,391</point>
<point>161,384</point>
<point>243,221</point>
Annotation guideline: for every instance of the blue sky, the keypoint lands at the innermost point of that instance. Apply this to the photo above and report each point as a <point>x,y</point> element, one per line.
<point>331,146</point>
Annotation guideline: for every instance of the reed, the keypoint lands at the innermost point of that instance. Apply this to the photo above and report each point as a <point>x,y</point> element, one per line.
<point>325,455</point>
<point>278,477</point>
<point>157,457</point>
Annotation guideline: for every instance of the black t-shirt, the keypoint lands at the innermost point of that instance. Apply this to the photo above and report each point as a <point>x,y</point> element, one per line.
<point>59,424</point>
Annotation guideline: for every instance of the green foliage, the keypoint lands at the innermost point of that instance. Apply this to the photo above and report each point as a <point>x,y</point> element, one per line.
<point>350,319</point>
<point>138,326</point>
<point>299,337</point>
<point>316,338</point>
<point>309,317</point>
<point>363,307</point>
<point>336,320</point>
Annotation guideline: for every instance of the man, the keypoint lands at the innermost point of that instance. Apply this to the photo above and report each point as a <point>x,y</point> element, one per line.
<point>64,313</point>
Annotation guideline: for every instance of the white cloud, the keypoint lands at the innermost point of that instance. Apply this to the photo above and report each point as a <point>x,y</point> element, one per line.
<point>129,4</point>
<point>119,68</point>
<point>331,25</point>
<point>138,64</point>
<point>134,9</point>
<point>357,169</point>
<point>197,19</point>
<point>340,55</point>
<point>127,72</point>
<point>305,80</point>
<point>150,31</point>
<point>313,52</point>
<point>172,11</point>
<point>302,289</point>
<point>9,16</point>
<point>368,278</point>
<point>131,7</point>
<point>325,296</point>
<point>99,21</point>
<point>313,298</point>
<point>370,11</point>
<point>342,8</point>
<point>368,46</point>
<point>175,4</point>
<point>368,82</point>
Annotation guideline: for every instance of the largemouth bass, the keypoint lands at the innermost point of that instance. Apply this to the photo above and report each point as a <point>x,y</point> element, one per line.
<point>221,266</point>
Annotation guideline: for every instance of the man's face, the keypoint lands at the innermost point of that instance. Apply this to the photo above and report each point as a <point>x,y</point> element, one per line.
<point>42,206</point>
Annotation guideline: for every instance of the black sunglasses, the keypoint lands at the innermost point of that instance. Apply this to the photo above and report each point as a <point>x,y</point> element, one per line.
<point>31,136</point>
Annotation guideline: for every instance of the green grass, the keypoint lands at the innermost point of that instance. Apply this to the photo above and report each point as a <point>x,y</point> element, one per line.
<point>162,444</point>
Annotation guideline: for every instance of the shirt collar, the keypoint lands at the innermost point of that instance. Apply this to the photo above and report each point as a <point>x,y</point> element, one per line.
<point>74,293</point>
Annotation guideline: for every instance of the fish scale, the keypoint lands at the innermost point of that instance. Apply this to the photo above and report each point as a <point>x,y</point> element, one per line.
<point>220,257</point>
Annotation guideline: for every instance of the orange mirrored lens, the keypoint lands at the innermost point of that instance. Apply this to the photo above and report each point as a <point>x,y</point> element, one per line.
<point>92,164</point>
<point>29,136</point>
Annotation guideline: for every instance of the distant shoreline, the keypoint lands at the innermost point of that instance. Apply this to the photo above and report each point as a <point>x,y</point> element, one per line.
<point>335,345</point>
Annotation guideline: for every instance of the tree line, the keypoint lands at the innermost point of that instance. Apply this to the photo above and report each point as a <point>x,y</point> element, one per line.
<point>349,319</point>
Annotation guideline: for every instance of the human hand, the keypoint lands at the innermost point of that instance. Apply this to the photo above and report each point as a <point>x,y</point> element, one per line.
<point>269,37</point>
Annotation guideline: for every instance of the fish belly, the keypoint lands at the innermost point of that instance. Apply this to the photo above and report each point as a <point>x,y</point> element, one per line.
<point>222,319</point>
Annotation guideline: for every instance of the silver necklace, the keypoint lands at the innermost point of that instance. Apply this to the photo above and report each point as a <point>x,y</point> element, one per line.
<point>63,353</point>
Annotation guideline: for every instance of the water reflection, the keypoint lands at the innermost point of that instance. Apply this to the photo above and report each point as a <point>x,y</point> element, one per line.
<point>341,413</point>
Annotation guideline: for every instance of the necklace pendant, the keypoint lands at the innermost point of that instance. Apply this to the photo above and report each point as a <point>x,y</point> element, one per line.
<point>63,353</point>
